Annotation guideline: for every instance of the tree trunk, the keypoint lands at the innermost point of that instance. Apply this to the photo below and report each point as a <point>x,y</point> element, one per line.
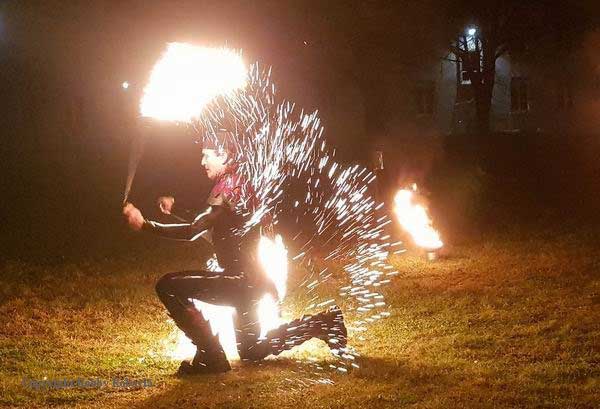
<point>485,88</point>
<point>483,101</point>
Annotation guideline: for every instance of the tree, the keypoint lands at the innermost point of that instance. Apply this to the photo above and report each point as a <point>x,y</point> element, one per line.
<point>484,31</point>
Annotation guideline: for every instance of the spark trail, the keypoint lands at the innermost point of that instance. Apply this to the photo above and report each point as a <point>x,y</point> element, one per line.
<point>325,207</point>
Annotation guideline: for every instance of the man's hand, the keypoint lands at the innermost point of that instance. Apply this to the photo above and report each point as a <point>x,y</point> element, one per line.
<point>165,203</point>
<point>133,217</point>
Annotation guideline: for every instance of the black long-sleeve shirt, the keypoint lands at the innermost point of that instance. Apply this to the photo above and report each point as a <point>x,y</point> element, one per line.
<point>222,218</point>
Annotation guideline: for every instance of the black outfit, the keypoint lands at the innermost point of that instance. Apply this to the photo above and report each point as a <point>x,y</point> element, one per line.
<point>241,284</point>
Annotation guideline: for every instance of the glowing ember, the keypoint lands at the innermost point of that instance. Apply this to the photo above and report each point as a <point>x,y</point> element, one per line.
<point>187,77</point>
<point>414,219</point>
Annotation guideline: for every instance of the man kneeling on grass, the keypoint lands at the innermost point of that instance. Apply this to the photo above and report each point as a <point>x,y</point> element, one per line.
<point>240,284</point>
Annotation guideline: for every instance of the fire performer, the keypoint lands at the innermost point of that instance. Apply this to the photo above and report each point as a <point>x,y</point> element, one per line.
<point>240,283</point>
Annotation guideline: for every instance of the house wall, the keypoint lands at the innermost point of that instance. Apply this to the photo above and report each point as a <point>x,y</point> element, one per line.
<point>579,79</point>
<point>411,141</point>
<point>586,115</point>
<point>501,118</point>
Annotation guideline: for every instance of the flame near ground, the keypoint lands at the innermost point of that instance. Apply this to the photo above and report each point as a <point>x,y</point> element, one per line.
<point>273,259</point>
<point>415,220</point>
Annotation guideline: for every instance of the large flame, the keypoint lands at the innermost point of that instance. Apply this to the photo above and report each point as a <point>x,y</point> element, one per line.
<point>187,77</point>
<point>273,259</point>
<point>221,323</point>
<point>272,255</point>
<point>268,315</point>
<point>414,219</point>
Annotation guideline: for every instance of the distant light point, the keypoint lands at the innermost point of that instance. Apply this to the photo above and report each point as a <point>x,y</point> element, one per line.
<point>472,31</point>
<point>125,85</point>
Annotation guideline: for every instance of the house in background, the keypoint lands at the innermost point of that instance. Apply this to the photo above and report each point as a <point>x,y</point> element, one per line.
<point>555,92</point>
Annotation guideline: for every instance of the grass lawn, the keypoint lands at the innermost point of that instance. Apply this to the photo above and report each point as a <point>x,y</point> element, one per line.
<point>512,322</point>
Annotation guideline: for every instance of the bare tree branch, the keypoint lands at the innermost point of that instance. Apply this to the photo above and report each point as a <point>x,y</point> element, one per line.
<point>458,52</point>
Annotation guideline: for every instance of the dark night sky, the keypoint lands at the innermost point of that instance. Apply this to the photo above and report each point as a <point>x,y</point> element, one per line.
<point>66,121</point>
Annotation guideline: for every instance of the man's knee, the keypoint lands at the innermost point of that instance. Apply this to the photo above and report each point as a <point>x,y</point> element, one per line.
<point>164,285</point>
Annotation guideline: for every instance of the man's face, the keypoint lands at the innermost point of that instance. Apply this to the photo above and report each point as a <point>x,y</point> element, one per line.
<point>214,162</point>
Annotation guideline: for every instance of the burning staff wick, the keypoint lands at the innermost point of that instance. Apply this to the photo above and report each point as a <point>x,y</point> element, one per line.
<point>188,77</point>
<point>181,83</point>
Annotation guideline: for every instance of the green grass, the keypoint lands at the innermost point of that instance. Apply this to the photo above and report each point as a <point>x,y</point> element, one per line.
<point>513,322</point>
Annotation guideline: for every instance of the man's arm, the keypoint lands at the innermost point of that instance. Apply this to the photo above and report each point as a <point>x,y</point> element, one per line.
<point>186,231</point>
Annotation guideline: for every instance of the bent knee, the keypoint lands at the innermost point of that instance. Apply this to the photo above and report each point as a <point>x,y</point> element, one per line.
<point>164,283</point>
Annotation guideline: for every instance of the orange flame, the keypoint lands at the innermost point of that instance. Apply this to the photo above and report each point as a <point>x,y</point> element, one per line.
<point>187,77</point>
<point>414,219</point>
<point>273,259</point>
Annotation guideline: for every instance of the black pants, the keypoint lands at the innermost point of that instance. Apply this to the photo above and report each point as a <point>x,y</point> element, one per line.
<point>218,288</point>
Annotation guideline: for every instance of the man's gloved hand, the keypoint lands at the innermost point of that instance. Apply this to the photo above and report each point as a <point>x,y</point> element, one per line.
<point>133,217</point>
<point>165,204</point>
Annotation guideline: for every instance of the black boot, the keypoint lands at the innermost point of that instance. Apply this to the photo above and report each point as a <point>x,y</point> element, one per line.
<point>327,325</point>
<point>209,361</point>
<point>210,357</point>
<point>331,328</point>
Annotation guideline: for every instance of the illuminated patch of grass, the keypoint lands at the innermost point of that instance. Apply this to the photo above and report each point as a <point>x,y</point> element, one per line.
<point>510,323</point>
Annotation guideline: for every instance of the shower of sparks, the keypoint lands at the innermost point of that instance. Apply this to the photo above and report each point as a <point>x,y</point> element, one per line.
<point>187,77</point>
<point>327,208</point>
<point>414,219</point>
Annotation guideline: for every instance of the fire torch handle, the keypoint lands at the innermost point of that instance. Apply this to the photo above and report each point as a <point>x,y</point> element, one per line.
<point>135,154</point>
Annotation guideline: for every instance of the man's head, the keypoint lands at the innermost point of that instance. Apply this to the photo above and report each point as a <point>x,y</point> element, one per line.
<point>217,150</point>
<point>214,161</point>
